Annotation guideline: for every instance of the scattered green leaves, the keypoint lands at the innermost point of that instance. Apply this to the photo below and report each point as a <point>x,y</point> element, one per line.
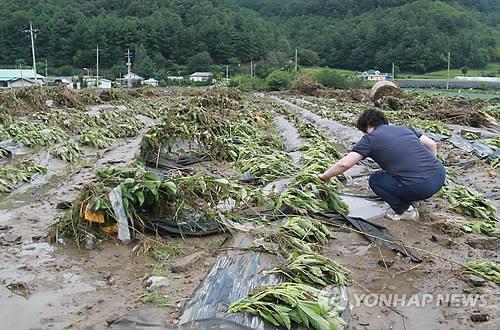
<point>487,270</point>
<point>287,303</point>
<point>465,201</point>
<point>10,176</point>
<point>67,151</point>
<point>314,269</point>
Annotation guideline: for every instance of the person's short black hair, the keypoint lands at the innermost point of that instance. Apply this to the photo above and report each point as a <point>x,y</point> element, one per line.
<point>371,117</point>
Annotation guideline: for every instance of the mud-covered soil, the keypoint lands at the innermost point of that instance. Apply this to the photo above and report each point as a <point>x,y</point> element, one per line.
<point>61,286</point>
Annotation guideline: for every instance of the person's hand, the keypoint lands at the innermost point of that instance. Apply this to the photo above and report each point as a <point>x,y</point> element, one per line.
<point>324,178</point>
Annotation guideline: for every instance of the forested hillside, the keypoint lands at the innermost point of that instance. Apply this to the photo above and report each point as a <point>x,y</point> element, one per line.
<point>163,34</point>
<point>415,34</point>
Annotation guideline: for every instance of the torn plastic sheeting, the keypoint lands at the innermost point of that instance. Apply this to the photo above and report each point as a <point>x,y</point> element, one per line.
<point>148,317</point>
<point>7,155</point>
<point>191,227</point>
<point>235,274</point>
<point>480,148</point>
<point>171,164</point>
<point>115,197</point>
<point>494,155</point>
<point>375,233</point>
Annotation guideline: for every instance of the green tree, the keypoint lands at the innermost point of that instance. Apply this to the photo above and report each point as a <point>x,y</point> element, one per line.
<point>308,57</point>
<point>464,70</point>
<point>199,62</point>
<point>279,80</point>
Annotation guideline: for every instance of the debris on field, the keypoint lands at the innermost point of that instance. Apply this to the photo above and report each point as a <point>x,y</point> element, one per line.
<point>96,138</point>
<point>287,303</point>
<point>307,85</point>
<point>184,263</point>
<point>479,317</point>
<point>116,199</point>
<point>19,288</point>
<point>382,90</point>
<point>487,270</point>
<point>465,201</point>
<point>156,298</point>
<point>154,283</point>
<point>11,176</point>
<point>486,227</point>
<point>314,270</point>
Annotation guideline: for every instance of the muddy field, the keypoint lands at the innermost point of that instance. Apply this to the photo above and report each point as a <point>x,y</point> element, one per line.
<point>226,164</point>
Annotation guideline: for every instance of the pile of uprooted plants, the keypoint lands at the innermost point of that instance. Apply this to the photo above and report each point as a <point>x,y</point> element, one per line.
<point>171,185</point>
<point>232,151</point>
<point>57,120</point>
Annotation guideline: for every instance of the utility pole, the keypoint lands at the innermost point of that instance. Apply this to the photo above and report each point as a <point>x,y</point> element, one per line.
<point>393,72</point>
<point>227,71</point>
<point>31,32</point>
<point>97,66</point>
<point>448,80</point>
<point>46,74</point>
<point>129,64</point>
<point>251,69</point>
<point>22,79</point>
<point>296,59</point>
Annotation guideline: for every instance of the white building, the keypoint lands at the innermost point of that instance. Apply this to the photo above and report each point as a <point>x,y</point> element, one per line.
<point>151,82</point>
<point>201,76</point>
<point>104,83</point>
<point>375,75</point>
<point>16,78</point>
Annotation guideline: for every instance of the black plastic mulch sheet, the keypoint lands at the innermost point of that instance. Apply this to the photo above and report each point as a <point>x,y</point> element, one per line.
<point>375,233</point>
<point>147,317</point>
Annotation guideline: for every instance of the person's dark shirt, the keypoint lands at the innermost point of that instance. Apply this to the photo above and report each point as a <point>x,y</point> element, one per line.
<point>399,151</point>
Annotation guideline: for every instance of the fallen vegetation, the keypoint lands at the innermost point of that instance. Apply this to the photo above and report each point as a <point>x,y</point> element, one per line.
<point>467,202</point>
<point>285,303</point>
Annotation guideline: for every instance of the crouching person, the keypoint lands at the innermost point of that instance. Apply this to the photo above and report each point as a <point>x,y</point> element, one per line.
<point>410,169</point>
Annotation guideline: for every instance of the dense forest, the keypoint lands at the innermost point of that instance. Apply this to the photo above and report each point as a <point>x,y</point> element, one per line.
<point>189,35</point>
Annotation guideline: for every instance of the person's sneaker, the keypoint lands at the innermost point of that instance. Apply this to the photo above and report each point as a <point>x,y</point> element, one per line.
<point>410,214</point>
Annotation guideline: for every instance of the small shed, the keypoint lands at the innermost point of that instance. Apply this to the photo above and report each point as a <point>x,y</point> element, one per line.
<point>20,82</point>
<point>201,76</point>
<point>104,83</point>
<point>151,82</point>
<point>14,77</point>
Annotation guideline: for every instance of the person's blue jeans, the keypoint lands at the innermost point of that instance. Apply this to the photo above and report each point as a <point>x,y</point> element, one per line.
<point>398,195</point>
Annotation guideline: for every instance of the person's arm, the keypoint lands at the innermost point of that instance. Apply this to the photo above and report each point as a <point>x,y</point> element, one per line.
<point>429,144</point>
<point>341,166</point>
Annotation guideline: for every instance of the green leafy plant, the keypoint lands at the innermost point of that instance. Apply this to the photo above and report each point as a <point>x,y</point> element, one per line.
<point>493,142</point>
<point>314,269</point>
<point>156,298</point>
<point>495,163</point>
<point>10,176</point>
<point>96,138</point>
<point>485,227</point>
<point>471,136</point>
<point>465,201</point>
<point>267,167</point>
<point>36,134</point>
<point>287,303</point>
<point>431,126</point>
<point>487,270</point>
<point>68,151</point>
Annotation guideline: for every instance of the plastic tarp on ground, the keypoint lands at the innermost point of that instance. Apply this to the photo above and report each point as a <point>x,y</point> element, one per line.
<point>235,274</point>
